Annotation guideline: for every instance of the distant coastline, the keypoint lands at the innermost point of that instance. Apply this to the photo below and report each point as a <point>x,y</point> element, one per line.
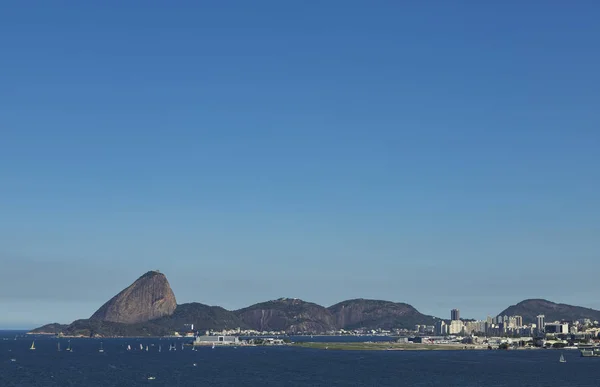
<point>148,309</point>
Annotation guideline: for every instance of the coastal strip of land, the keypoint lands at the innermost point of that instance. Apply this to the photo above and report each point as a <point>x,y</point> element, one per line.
<point>386,346</point>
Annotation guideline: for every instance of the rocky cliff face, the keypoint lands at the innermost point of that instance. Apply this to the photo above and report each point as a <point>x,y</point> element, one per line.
<point>148,298</point>
<point>371,314</point>
<point>287,314</point>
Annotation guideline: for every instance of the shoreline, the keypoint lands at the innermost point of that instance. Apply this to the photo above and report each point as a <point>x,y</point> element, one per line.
<point>387,346</point>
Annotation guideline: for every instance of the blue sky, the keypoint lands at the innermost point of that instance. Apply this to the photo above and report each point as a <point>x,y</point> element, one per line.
<point>443,154</point>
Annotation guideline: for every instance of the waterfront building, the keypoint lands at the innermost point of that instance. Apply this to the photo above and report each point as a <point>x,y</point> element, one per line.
<point>540,323</point>
<point>216,340</point>
<point>456,327</point>
<point>454,314</point>
<point>472,327</point>
<point>441,328</point>
<point>519,321</point>
<point>557,328</point>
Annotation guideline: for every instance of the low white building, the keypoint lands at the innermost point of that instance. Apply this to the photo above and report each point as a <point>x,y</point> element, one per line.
<point>216,340</point>
<point>556,328</point>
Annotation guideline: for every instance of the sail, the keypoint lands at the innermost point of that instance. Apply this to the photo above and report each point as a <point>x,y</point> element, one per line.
<point>32,345</point>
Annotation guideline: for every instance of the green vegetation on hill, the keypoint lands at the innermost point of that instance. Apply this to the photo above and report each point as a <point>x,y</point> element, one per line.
<point>204,317</point>
<point>54,328</point>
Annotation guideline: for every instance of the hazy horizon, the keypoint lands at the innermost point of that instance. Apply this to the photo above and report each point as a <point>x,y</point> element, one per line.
<point>442,154</point>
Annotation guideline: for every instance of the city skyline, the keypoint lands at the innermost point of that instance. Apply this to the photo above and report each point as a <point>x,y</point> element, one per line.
<point>442,156</point>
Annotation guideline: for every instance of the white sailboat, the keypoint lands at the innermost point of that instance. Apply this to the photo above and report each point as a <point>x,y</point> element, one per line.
<point>182,346</point>
<point>141,347</point>
<point>128,347</point>
<point>58,346</point>
<point>159,348</point>
<point>562,359</point>
<point>69,349</point>
<point>32,346</point>
<point>101,349</point>
<point>146,348</point>
<point>213,346</point>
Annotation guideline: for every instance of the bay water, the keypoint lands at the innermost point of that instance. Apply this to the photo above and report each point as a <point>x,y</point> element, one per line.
<point>277,366</point>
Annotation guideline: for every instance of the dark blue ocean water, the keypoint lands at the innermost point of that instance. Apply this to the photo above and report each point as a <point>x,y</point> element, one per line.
<point>280,366</point>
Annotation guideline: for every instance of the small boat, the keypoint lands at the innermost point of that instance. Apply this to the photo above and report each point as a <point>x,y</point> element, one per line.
<point>182,346</point>
<point>101,349</point>
<point>13,360</point>
<point>562,359</point>
<point>141,347</point>
<point>58,346</point>
<point>159,348</point>
<point>146,348</point>
<point>32,346</point>
<point>69,349</point>
<point>151,377</point>
<point>213,346</point>
<point>128,347</point>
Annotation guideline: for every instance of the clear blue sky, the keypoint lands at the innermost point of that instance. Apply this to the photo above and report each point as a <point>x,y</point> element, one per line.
<point>440,153</point>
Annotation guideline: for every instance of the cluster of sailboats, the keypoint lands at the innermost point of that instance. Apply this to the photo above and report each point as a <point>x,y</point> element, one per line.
<point>172,347</point>
<point>69,348</point>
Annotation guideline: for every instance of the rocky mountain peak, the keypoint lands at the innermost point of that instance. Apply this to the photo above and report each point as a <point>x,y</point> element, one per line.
<point>148,298</point>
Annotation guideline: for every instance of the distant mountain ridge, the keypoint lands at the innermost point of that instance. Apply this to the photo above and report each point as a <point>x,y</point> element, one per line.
<point>531,308</point>
<point>148,308</point>
<point>363,313</point>
<point>288,314</point>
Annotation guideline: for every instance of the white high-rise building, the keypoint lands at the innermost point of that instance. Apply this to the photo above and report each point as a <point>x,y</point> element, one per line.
<point>540,323</point>
<point>456,327</point>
